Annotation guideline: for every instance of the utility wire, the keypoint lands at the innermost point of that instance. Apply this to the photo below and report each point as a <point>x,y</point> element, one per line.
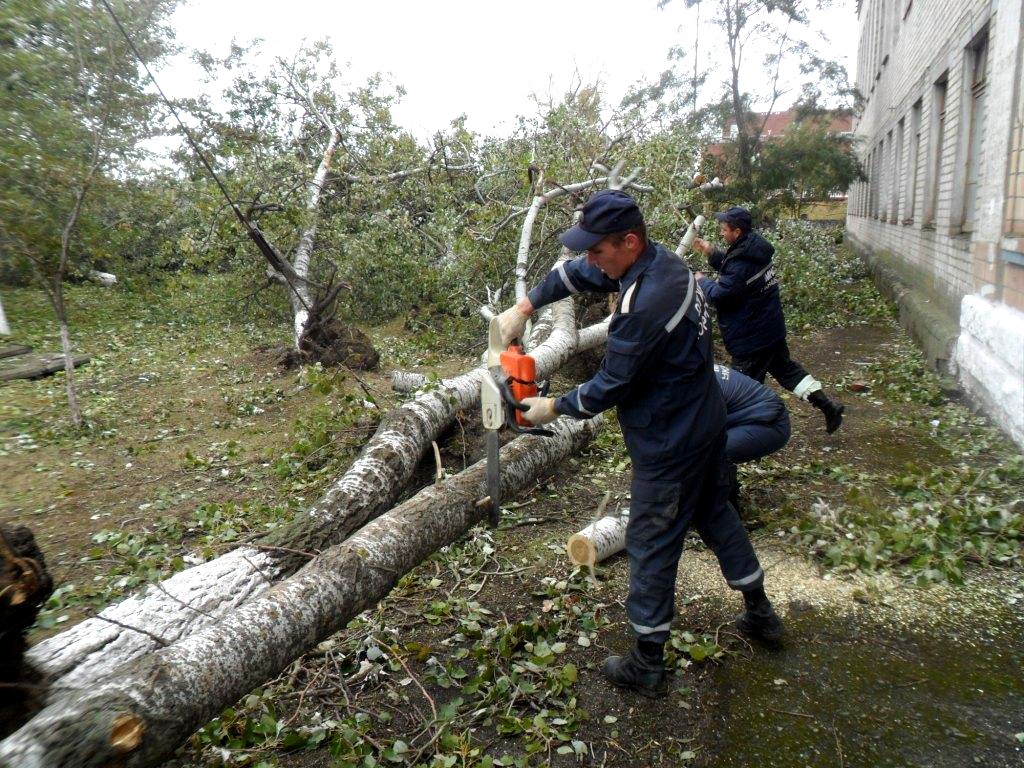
<point>253,230</point>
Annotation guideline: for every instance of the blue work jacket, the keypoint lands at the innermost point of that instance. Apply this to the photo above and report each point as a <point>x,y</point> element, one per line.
<point>658,366</point>
<point>746,296</point>
<point>747,401</point>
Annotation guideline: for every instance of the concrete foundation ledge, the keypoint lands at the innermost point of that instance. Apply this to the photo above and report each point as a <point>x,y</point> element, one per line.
<point>931,323</point>
<point>990,361</point>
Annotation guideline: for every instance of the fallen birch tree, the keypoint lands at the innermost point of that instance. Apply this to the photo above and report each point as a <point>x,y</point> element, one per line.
<point>163,613</point>
<point>139,713</point>
<point>96,657</point>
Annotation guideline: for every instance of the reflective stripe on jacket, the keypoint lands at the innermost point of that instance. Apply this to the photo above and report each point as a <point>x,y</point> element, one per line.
<point>746,295</point>
<point>658,366</point>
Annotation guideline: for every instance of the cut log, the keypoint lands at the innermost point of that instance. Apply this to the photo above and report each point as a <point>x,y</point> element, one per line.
<point>167,612</point>
<point>38,366</point>
<point>106,279</point>
<point>13,350</point>
<point>140,714</point>
<point>599,540</point>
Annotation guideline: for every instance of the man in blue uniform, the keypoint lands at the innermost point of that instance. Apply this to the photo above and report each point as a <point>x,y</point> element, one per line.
<point>756,423</point>
<point>658,371</point>
<point>746,295</point>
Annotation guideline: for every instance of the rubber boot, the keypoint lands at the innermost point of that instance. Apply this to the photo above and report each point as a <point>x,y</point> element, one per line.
<point>641,670</point>
<point>832,409</point>
<point>759,620</point>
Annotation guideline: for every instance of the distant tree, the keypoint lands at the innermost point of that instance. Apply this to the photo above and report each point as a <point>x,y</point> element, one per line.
<point>72,112</point>
<point>808,164</point>
<point>772,25</point>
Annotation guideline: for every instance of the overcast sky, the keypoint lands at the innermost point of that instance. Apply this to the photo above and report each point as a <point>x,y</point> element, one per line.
<point>480,58</point>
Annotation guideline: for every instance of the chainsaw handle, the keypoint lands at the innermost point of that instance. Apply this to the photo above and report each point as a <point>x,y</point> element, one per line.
<point>510,400</point>
<point>508,397</point>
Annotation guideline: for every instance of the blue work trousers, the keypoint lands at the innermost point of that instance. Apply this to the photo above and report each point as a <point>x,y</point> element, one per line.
<point>663,507</point>
<point>746,442</point>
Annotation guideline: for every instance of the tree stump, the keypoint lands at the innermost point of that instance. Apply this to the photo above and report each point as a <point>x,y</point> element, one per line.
<point>333,343</point>
<point>24,586</point>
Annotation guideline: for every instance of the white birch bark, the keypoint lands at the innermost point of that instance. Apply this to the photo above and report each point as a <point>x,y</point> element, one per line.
<point>599,540</point>
<point>5,329</point>
<point>613,180</point>
<point>300,298</point>
<point>169,611</point>
<point>137,716</point>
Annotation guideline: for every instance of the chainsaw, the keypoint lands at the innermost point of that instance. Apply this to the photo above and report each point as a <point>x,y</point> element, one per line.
<point>511,378</point>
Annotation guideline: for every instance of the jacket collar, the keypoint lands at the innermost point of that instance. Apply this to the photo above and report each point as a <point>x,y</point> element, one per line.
<point>640,265</point>
<point>742,239</point>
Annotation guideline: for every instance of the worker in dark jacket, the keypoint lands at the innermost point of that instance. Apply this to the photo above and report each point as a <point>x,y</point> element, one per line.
<point>746,296</point>
<point>658,371</point>
<point>756,423</point>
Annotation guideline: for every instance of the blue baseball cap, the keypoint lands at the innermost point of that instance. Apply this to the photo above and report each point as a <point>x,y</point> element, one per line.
<point>737,217</point>
<point>605,213</point>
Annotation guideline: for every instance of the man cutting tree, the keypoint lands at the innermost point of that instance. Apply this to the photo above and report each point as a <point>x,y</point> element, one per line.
<point>658,371</point>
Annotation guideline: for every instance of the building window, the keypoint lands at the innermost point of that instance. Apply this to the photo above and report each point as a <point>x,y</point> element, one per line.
<point>938,134</point>
<point>977,60</point>
<point>897,174</point>
<point>887,181</point>
<point>876,180</point>
<point>912,161</point>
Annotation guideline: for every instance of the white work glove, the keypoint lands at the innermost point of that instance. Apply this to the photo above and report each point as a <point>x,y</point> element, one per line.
<point>512,323</point>
<point>542,410</point>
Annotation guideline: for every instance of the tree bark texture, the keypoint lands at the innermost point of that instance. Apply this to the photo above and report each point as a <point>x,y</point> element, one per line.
<point>138,715</point>
<point>165,613</point>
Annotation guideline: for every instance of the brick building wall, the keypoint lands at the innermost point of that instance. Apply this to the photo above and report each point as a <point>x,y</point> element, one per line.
<point>941,136</point>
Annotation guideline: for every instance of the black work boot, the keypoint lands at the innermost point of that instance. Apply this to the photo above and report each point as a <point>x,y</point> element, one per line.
<point>832,409</point>
<point>759,620</point>
<point>641,670</point>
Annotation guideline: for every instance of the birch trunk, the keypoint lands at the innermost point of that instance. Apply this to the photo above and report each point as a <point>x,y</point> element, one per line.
<point>139,715</point>
<point>69,367</point>
<point>165,613</point>
<point>5,329</point>
<point>300,299</point>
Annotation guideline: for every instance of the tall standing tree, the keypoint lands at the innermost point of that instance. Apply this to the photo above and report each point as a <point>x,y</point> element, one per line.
<point>793,67</point>
<point>72,113</point>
